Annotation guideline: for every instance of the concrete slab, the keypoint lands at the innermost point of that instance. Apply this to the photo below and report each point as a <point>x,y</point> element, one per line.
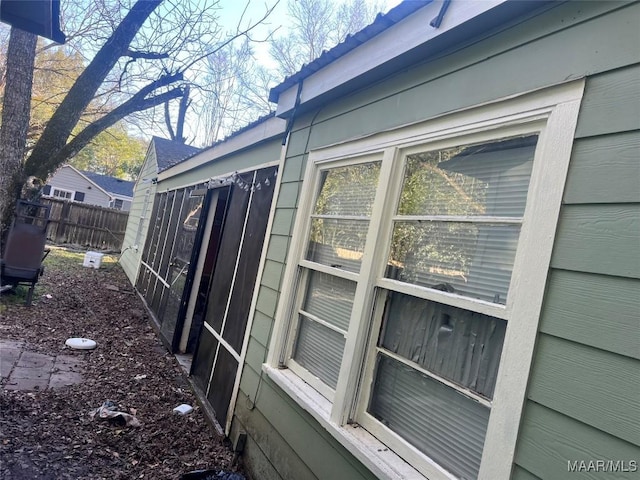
<point>8,358</point>
<point>25,370</point>
<point>35,360</point>
<point>68,363</point>
<point>26,384</point>
<point>64,379</point>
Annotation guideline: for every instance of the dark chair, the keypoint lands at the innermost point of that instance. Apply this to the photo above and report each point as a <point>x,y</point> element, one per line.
<point>25,248</point>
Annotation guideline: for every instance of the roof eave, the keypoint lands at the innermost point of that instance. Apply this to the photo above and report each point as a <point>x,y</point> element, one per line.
<point>407,34</point>
<point>265,130</point>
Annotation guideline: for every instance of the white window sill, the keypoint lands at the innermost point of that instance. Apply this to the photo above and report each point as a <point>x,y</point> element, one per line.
<point>385,464</point>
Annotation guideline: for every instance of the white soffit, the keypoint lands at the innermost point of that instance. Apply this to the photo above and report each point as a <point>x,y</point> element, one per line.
<point>407,34</point>
<point>263,131</point>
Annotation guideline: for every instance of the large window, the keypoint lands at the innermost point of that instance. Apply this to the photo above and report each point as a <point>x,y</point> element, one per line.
<point>416,279</point>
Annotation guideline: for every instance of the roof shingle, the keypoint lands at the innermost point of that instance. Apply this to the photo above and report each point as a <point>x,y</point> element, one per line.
<point>170,152</point>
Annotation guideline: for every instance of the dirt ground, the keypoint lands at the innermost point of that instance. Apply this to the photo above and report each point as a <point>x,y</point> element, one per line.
<point>49,435</point>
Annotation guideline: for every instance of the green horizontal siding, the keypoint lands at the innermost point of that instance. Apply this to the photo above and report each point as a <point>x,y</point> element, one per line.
<point>582,50</point>
<point>595,310</point>
<point>272,275</point>
<point>277,250</point>
<point>267,301</point>
<point>261,329</point>
<point>590,385</point>
<point>266,152</point>
<point>294,168</point>
<point>288,196</point>
<point>599,239</point>
<point>311,443</point>
<point>283,221</point>
<point>608,106</point>
<point>548,440</point>
<point>520,473</point>
<point>250,381</point>
<point>605,169</point>
<point>130,258</point>
<point>268,453</point>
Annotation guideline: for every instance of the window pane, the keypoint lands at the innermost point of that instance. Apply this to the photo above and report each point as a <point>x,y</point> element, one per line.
<point>337,243</point>
<point>471,259</point>
<point>319,350</point>
<point>445,425</point>
<point>330,298</point>
<point>490,179</point>
<point>456,344</point>
<point>348,190</point>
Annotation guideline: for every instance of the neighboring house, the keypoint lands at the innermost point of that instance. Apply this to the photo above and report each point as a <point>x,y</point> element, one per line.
<point>161,154</point>
<point>449,283</point>
<point>69,183</point>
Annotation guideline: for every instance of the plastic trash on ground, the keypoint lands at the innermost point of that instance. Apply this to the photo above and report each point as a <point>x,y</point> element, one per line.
<point>108,412</point>
<point>211,475</point>
<point>183,409</point>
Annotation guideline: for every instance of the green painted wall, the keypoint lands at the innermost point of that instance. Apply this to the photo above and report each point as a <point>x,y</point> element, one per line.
<point>266,152</point>
<point>583,395</point>
<point>130,258</point>
<point>584,391</point>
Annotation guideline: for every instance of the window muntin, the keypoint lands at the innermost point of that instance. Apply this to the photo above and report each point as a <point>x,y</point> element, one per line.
<point>444,425</point>
<point>458,217</point>
<point>455,344</point>
<point>436,369</point>
<point>486,179</point>
<point>338,229</point>
<point>60,193</point>
<point>323,324</point>
<point>471,259</point>
<point>340,219</point>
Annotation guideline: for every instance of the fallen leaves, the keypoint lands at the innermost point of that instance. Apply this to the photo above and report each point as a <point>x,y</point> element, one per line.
<point>49,435</point>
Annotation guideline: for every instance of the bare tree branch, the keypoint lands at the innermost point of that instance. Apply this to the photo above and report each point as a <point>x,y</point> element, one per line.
<point>66,116</point>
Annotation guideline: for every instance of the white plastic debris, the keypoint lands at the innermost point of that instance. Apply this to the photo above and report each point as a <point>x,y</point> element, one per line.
<point>108,412</point>
<point>140,377</point>
<point>92,259</point>
<point>183,409</point>
<point>81,343</point>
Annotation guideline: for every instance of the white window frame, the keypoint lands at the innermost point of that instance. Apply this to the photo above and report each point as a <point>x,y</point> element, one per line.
<point>57,189</point>
<point>552,113</point>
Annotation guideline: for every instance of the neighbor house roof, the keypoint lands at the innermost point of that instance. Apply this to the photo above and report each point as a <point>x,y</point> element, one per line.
<point>112,185</point>
<point>170,152</point>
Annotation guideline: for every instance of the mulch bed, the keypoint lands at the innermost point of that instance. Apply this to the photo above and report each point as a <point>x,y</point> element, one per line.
<point>49,434</point>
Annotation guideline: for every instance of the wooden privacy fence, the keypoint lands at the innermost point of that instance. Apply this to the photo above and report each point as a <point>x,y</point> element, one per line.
<point>86,225</point>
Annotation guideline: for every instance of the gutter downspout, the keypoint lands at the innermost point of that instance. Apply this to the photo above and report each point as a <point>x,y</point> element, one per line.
<point>287,130</point>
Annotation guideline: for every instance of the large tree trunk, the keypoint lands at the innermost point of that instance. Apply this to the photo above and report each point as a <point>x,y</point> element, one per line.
<point>44,158</point>
<point>16,111</point>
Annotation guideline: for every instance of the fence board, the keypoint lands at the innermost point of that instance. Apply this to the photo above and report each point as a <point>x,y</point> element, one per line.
<point>86,225</point>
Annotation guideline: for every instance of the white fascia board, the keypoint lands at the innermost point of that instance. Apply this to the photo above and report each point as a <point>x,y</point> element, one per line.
<point>121,197</point>
<point>263,131</point>
<point>407,34</point>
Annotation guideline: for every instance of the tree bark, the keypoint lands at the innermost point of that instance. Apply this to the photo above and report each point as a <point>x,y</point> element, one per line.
<point>137,103</point>
<point>44,158</point>
<point>16,112</point>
